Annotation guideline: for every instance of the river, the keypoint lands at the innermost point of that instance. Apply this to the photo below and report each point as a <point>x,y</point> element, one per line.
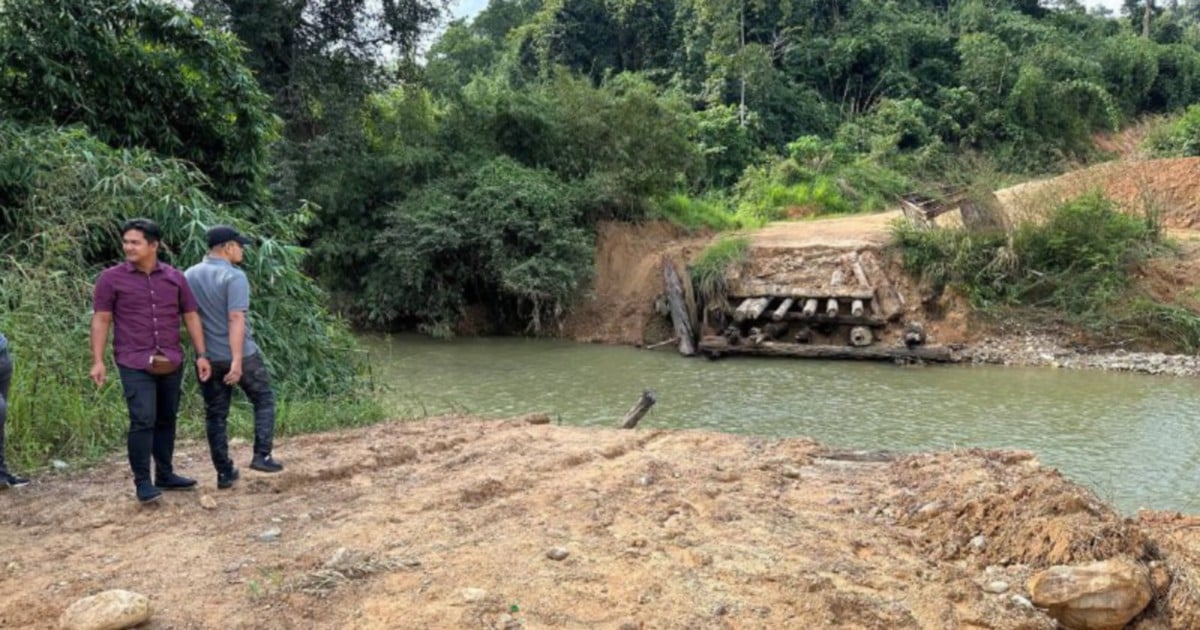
<point>1131,438</point>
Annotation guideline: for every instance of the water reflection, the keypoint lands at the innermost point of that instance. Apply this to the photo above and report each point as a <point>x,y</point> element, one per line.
<point>1126,436</point>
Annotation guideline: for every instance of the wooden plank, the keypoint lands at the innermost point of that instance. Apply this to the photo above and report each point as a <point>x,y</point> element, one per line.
<point>679,312</point>
<point>714,345</point>
<point>757,288</point>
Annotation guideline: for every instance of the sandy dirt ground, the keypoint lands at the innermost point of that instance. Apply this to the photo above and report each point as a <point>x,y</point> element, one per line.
<point>459,522</point>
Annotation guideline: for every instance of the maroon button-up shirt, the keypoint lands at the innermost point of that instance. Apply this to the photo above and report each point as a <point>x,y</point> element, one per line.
<point>146,310</point>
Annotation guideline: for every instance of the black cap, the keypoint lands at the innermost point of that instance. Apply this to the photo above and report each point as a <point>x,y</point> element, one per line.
<point>221,234</point>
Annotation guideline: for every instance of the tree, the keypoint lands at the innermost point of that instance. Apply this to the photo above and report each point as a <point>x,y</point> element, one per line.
<point>139,74</point>
<point>310,54</point>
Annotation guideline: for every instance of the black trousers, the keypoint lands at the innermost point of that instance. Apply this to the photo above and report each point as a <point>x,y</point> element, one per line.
<point>6,368</point>
<point>256,384</point>
<point>153,403</point>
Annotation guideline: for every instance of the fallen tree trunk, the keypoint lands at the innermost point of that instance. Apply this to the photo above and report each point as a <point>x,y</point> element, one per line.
<point>718,345</point>
<point>639,409</point>
<point>679,312</point>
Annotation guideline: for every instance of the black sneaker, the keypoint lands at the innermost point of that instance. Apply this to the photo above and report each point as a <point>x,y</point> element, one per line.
<point>265,463</point>
<point>227,479</point>
<point>174,482</point>
<point>13,481</point>
<point>147,493</point>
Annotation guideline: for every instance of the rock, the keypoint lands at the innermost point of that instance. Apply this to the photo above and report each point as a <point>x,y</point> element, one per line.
<point>1096,596</point>
<point>271,535</point>
<point>109,610</point>
<point>207,502</point>
<point>792,472</point>
<point>470,594</point>
<point>557,553</point>
<point>978,543</point>
<point>996,586</point>
<point>534,418</point>
<point>1021,602</point>
<point>59,464</point>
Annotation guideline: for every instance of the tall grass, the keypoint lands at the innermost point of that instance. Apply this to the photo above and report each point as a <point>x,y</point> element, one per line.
<point>711,212</point>
<point>63,195</point>
<point>709,270</point>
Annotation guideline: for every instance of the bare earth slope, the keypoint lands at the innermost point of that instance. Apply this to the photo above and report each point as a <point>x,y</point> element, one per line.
<point>451,522</point>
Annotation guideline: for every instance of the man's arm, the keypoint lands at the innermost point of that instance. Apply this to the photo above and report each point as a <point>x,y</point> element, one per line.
<point>101,321</point>
<point>237,343</point>
<point>195,330</point>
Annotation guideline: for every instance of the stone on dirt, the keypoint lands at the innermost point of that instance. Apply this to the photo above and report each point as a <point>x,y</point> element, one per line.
<point>1096,596</point>
<point>110,610</point>
<point>207,502</point>
<point>557,553</point>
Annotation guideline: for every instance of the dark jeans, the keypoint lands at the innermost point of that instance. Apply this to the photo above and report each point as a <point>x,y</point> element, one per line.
<point>153,403</point>
<point>6,368</point>
<point>217,395</point>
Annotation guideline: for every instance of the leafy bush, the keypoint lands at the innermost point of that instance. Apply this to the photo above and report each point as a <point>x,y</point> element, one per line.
<point>817,177</point>
<point>1177,138</point>
<point>505,235</point>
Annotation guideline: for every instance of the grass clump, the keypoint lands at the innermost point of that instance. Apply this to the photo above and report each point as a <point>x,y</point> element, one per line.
<point>709,269</point>
<point>1079,263</point>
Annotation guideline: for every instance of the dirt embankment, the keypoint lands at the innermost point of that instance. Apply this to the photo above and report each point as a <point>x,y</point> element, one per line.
<point>621,307</point>
<point>457,522</point>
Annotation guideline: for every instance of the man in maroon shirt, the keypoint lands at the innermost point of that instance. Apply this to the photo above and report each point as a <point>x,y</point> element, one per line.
<point>143,300</point>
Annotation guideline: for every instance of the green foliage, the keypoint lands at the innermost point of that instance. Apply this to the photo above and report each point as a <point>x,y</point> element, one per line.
<point>817,178</point>
<point>1079,263</point>
<point>1179,137</point>
<point>695,213</point>
<point>505,235</point>
<point>139,74</point>
<point>63,195</point>
<point>709,269</point>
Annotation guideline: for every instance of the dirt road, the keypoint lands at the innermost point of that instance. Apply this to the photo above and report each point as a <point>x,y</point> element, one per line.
<point>457,522</point>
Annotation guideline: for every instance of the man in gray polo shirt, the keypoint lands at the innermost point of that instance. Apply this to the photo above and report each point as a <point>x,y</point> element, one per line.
<point>223,293</point>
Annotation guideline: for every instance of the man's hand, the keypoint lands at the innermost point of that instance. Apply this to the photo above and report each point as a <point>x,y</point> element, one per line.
<point>203,369</point>
<point>235,373</point>
<point>98,373</point>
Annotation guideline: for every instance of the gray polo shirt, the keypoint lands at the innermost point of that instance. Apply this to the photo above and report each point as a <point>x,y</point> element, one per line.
<point>220,289</point>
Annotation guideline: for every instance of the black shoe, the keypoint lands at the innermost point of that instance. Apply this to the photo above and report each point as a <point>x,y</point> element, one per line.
<point>13,481</point>
<point>174,482</point>
<point>227,479</point>
<point>147,493</point>
<point>265,463</point>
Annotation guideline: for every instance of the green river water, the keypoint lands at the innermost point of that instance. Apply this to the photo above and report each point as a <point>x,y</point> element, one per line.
<point>1132,438</point>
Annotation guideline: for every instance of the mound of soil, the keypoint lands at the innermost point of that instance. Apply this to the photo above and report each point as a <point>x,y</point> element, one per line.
<point>458,522</point>
<point>619,307</point>
<point>1169,187</point>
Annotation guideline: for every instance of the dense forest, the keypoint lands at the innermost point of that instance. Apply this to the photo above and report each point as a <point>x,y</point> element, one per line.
<point>398,168</point>
<point>473,172</point>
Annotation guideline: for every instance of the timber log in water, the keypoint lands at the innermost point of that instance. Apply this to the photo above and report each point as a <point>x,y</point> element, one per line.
<point>715,346</point>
